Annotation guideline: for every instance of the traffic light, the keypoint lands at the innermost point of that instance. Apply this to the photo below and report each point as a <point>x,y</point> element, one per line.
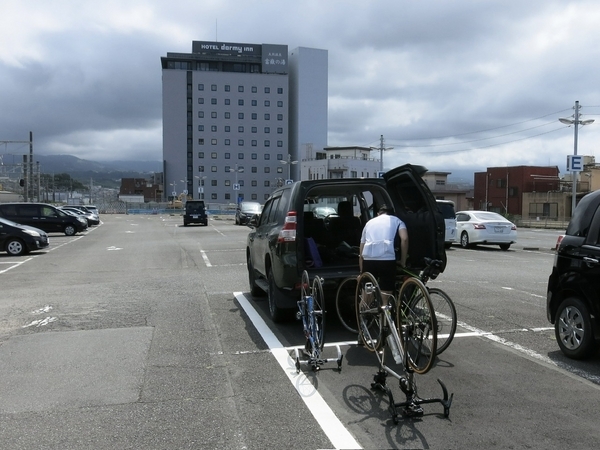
<point>21,182</point>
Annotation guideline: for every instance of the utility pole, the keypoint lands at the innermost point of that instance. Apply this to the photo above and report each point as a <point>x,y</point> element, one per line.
<point>381,148</point>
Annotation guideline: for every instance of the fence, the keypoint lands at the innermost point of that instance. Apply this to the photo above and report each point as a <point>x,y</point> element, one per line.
<point>119,207</point>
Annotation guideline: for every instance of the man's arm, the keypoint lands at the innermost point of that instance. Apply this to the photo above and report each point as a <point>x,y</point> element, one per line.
<point>403,233</point>
<point>360,257</point>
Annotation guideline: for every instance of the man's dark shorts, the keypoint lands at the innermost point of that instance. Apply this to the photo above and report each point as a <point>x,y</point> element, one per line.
<point>383,271</point>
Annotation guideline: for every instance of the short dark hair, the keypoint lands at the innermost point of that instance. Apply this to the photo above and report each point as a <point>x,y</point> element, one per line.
<point>384,208</point>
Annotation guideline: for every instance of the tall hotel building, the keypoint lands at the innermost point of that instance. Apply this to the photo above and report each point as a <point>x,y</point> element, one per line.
<point>236,115</point>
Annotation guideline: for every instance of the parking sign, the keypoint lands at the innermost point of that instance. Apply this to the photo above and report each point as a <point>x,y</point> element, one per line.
<point>574,163</point>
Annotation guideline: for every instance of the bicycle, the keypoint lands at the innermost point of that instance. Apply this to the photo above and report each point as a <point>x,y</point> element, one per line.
<point>411,338</point>
<point>311,310</point>
<point>443,306</point>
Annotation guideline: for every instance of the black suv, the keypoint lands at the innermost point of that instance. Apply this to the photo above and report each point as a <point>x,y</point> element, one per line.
<point>195,212</point>
<point>573,297</point>
<point>43,216</point>
<point>290,236</point>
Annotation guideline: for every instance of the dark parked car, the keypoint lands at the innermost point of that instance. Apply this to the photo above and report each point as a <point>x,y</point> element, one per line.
<point>43,216</point>
<point>16,239</point>
<point>92,218</point>
<point>573,297</point>
<point>195,212</point>
<point>245,211</point>
<point>288,238</point>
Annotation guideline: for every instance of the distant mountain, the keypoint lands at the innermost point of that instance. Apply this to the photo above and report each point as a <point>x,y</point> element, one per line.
<point>106,173</point>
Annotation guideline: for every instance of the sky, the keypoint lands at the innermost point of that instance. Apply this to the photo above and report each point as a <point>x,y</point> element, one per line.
<point>452,85</point>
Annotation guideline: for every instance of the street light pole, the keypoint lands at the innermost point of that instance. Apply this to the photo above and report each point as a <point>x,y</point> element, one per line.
<point>576,122</point>
<point>289,163</point>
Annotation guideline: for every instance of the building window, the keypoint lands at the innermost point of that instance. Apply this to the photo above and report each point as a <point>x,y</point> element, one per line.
<point>227,101</point>
<point>227,183</point>
<point>501,183</point>
<point>267,103</point>
<point>213,115</point>
<point>227,142</point>
<point>279,169</point>
<point>240,116</point>
<point>200,87</point>
<point>241,142</point>
<point>267,129</point>
<point>254,169</point>
<point>254,103</point>
<point>267,143</point>
<point>213,155</point>
<point>213,168</point>
<point>254,130</point>
<point>240,88</point>
<point>267,90</point>
<point>240,156</point>
<point>200,127</point>
<point>267,156</point>
<point>200,168</point>
<point>279,130</point>
<point>201,155</point>
<point>240,129</point>
<point>227,196</point>
<point>213,128</point>
<point>228,115</point>
<point>254,183</point>
<point>241,102</point>
<point>267,116</point>
<point>227,155</point>
<point>254,143</point>
<point>213,142</point>
<point>267,170</point>
<point>279,157</point>
<point>280,104</point>
<point>213,87</point>
<point>254,156</point>
<point>201,114</point>
<point>279,143</point>
<point>213,101</point>
<point>201,141</point>
<point>267,183</point>
<point>254,89</point>
<point>227,169</point>
<point>279,116</point>
<point>254,116</point>
<point>227,128</point>
<point>200,101</point>
<point>213,196</point>
<point>227,88</point>
<point>280,90</point>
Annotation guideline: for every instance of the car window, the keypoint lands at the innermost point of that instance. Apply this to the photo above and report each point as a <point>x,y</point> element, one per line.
<point>268,210</point>
<point>447,210</point>
<point>29,210</point>
<point>46,211</point>
<point>462,217</point>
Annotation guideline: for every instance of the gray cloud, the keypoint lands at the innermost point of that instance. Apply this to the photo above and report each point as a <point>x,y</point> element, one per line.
<point>449,84</point>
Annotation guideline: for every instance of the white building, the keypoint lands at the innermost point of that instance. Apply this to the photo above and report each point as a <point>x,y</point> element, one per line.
<point>233,113</point>
<point>338,162</point>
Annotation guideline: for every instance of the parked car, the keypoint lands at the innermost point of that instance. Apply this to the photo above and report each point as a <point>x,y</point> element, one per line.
<point>43,216</point>
<point>195,212</point>
<point>16,239</point>
<point>485,227</point>
<point>91,218</point>
<point>573,295</point>
<point>446,207</point>
<point>279,246</point>
<point>245,211</point>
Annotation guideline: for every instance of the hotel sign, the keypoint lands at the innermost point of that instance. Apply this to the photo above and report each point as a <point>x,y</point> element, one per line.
<point>274,58</point>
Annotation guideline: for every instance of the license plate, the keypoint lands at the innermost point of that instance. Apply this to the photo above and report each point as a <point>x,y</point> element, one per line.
<point>499,229</point>
<point>194,217</point>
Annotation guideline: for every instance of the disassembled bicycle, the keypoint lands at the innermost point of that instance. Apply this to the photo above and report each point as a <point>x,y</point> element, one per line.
<point>445,311</point>
<point>412,339</point>
<point>311,310</point>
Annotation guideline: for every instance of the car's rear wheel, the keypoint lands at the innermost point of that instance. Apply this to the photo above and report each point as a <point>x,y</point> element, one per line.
<point>464,240</point>
<point>278,314</point>
<point>574,330</point>
<point>70,230</point>
<point>15,247</point>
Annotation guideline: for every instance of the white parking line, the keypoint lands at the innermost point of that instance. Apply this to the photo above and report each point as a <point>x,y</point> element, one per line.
<point>339,436</point>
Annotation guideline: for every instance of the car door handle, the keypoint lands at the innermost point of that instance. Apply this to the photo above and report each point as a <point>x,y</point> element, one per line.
<point>590,261</point>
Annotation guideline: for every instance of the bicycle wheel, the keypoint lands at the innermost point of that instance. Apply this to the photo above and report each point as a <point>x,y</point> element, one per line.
<point>417,326</point>
<point>345,304</point>
<point>368,312</point>
<point>305,284</point>
<point>318,311</point>
<point>445,315</point>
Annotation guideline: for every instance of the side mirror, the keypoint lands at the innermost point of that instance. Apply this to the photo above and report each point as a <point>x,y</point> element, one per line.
<point>253,222</point>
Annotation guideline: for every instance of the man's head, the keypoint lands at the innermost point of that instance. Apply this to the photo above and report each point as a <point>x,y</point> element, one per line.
<point>385,209</point>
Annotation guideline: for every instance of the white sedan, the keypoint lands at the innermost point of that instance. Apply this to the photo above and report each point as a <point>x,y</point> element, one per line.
<point>485,227</point>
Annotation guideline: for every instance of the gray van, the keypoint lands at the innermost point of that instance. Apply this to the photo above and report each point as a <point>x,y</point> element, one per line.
<point>43,216</point>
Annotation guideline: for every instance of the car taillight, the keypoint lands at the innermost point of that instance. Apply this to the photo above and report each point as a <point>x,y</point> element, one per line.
<point>479,226</point>
<point>559,240</point>
<point>288,232</point>
<point>514,228</point>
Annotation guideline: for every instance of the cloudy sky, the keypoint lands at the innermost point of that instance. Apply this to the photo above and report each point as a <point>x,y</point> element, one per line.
<point>452,85</point>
